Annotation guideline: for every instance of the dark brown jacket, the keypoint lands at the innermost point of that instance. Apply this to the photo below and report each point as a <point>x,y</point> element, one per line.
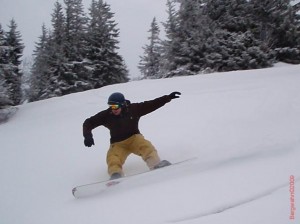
<point>126,124</point>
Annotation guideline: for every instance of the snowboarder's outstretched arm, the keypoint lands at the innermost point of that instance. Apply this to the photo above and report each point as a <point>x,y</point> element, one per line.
<point>147,107</point>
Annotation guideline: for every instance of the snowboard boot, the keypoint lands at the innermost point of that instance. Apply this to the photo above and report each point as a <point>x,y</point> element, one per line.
<point>115,176</point>
<point>161,164</point>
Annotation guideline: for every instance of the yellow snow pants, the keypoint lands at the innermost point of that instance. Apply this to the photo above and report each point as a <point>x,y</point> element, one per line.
<point>136,144</point>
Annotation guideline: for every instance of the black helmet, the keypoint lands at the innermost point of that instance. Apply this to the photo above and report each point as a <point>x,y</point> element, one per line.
<point>116,98</point>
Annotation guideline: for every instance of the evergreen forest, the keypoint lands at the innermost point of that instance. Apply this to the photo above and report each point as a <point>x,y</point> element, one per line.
<point>81,51</point>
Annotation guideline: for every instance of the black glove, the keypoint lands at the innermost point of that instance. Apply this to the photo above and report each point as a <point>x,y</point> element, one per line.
<point>89,141</point>
<point>174,95</point>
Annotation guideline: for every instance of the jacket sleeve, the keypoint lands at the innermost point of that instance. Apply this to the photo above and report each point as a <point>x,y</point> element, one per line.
<point>93,122</point>
<point>147,107</point>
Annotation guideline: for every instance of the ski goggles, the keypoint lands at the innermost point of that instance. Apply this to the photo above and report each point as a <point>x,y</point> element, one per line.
<point>114,106</point>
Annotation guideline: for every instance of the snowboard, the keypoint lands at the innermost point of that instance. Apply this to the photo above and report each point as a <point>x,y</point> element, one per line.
<point>95,188</point>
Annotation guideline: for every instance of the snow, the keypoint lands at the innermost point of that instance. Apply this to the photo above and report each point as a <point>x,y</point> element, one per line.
<point>242,126</point>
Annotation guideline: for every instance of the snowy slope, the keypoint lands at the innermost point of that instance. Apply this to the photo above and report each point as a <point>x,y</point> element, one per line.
<point>243,127</point>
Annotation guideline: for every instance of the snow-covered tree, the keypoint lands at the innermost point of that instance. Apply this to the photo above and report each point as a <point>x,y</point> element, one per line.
<point>276,25</point>
<point>106,65</point>
<point>41,74</point>
<point>274,22</point>
<point>233,46</point>
<point>4,97</point>
<point>150,62</point>
<point>26,66</point>
<point>75,29</point>
<point>78,53</point>
<point>13,52</point>
<point>59,25</point>
<point>58,48</point>
<point>230,15</point>
<point>3,47</point>
<point>223,35</point>
<point>227,51</point>
<point>169,45</point>
<point>194,28</point>
<point>14,40</point>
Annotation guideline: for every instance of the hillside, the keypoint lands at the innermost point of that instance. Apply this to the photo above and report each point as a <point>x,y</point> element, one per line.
<point>243,127</point>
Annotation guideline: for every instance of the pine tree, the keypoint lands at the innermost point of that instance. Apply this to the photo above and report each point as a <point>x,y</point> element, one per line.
<point>77,55</point>
<point>225,35</point>
<point>194,28</point>
<point>273,22</point>
<point>58,50</point>
<point>59,25</point>
<point>276,25</point>
<point>3,47</point>
<point>232,46</point>
<point>40,74</point>
<point>67,49</point>
<point>107,65</point>
<point>75,29</point>
<point>13,40</point>
<point>150,62</point>
<point>230,15</point>
<point>26,67</point>
<point>227,51</point>
<point>4,96</point>
<point>12,72</point>
<point>169,46</point>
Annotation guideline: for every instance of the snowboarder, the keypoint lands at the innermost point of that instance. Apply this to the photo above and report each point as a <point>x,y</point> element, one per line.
<point>122,118</point>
